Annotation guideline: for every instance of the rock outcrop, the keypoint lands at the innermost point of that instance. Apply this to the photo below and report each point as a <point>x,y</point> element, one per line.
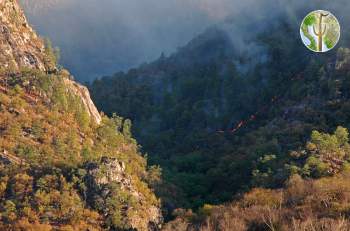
<point>19,44</point>
<point>20,47</point>
<point>112,171</point>
<point>83,93</point>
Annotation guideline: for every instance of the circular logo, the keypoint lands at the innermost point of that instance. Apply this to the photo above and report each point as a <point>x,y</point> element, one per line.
<point>320,31</point>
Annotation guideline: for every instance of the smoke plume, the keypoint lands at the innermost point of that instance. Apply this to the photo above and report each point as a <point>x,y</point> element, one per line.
<point>100,37</point>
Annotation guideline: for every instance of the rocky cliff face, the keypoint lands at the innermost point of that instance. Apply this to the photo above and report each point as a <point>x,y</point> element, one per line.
<point>19,45</point>
<point>83,93</point>
<point>112,171</point>
<point>20,48</point>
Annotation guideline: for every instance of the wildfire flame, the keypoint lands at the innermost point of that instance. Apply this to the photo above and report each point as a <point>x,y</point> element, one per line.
<point>253,117</point>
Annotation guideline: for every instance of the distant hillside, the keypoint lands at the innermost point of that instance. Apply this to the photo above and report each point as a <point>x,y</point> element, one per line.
<point>209,114</point>
<point>103,37</point>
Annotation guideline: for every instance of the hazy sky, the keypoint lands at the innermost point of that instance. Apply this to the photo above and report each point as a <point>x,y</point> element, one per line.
<point>100,37</point>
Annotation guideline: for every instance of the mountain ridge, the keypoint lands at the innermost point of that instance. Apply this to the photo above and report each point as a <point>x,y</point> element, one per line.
<point>63,166</point>
<point>20,44</point>
<point>207,114</point>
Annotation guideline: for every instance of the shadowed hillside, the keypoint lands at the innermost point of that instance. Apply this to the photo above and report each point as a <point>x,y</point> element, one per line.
<point>219,121</point>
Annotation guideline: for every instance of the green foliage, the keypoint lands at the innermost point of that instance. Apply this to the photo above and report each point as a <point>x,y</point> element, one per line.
<point>315,167</point>
<point>115,204</point>
<point>184,107</point>
<point>263,174</point>
<point>52,54</point>
<point>324,155</point>
<point>127,128</point>
<point>40,198</point>
<point>46,127</point>
<point>329,43</point>
<point>310,20</point>
<point>154,175</point>
<point>326,143</point>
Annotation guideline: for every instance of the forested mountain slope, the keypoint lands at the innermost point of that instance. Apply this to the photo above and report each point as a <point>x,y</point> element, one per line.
<point>220,122</point>
<point>63,166</point>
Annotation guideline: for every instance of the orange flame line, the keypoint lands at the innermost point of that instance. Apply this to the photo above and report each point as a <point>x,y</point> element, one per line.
<point>253,116</point>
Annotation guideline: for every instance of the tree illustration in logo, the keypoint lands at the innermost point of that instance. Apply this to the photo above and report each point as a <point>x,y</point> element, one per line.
<point>320,31</point>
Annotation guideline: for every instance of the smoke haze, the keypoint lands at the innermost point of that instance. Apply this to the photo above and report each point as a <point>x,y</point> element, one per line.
<point>100,37</point>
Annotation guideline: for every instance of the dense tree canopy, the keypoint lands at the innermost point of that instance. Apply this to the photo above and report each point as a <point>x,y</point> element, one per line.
<point>217,130</point>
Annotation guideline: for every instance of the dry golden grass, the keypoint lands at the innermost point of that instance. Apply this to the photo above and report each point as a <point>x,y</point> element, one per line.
<point>303,205</point>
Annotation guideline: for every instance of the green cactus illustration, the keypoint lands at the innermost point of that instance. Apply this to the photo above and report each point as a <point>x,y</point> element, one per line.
<point>321,31</point>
